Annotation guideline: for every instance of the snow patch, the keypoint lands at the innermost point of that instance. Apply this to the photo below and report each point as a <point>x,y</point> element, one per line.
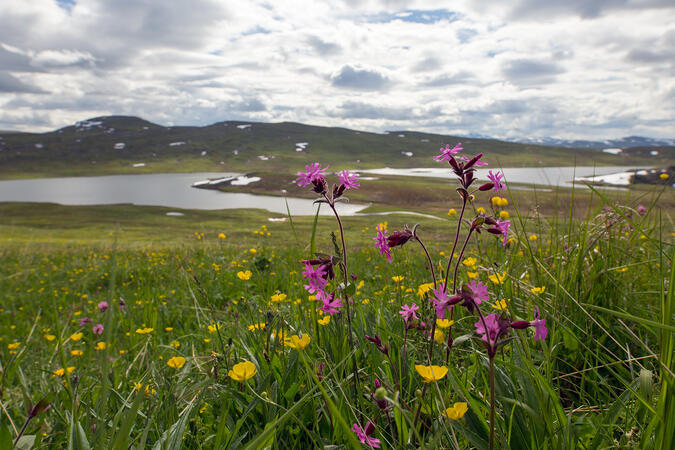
<point>39,146</point>
<point>301,146</point>
<point>139,165</point>
<point>613,151</point>
<point>243,127</point>
<point>120,146</point>
<point>203,153</point>
<point>236,152</point>
<point>276,219</point>
<point>176,144</point>
<point>408,154</point>
<point>615,179</point>
<point>654,152</point>
<point>244,180</point>
<point>175,213</point>
<point>263,158</point>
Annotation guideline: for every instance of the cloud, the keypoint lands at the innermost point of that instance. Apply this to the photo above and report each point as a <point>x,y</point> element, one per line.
<point>9,83</point>
<point>359,79</point>
<point>446,80</point>
<point>322,47</point>
<point>361,110</point>
<point>530,71</point>
<point>14,60</point>
<point>62,58</point>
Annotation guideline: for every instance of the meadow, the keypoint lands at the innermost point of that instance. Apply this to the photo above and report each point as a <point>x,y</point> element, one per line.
<point>121,327</point>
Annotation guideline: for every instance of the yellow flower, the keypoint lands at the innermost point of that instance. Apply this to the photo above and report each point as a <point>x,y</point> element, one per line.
<point>76,336</point>
<point>176,362</point>
<point>175,344</point>
<point>538,290</point>
<point>144,330</point>
<point>324,321</point>
<point>215,327</point>
<point>480,210</point>
<point>439,336</point>
<point>504,215</point>
<point>62,372</point>
<point>431,373</point>
<point>50,337</point>
<point>100,346</point>
<point>244,275</point>
<point>257,326</point>
<point>424,288</point>
<point>664,176</point>
<point>498,278</point>
<point>298,342</point>
<point>533,237</point>
<point>76,352</point>
<point>452,211</point>
<point>207,340</point>
<point>397,278</point>
<point>495,201</point>
<point>444,323</point>
<point>501,304</point>
<point>278,297</point>
<point>470,261</point>
<point>242,371</point>
<point>472,275</point>
<point>221,236</point>
<point>253,251</point>
<point>457,411</point>
<point>168,329</point>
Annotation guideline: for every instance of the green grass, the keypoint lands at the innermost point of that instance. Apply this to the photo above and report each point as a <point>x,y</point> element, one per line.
<point>602,378</point>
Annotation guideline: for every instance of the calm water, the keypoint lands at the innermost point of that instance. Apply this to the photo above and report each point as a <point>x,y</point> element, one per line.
<point>544,176</point>
<point>166,189</point>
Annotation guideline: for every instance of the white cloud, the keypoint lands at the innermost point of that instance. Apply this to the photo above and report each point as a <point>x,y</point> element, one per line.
<point>572,69</point>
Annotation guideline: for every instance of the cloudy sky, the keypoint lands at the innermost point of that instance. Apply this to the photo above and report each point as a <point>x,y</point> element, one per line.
<point>590,69</point>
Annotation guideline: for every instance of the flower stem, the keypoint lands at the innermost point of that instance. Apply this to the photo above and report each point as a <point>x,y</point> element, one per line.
<point>454,245</point>
<point>492,402</point>
<point>454,278</point>
<point>426,252</point>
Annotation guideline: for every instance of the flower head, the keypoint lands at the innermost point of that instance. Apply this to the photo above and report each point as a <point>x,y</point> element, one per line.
<point>479,291</point>
<point>408,312</point>
<point>103,306</point>
<point>447,152</point>
<point>364,434</point>
<point>496,180</point>
<point>457,411</point>
<point>350,180</point>
<point>331,305</point>
<point>311,174</point>
<point>244,275</point>
<point>490,330</point>
<point>431,373</point>
<point>298,342</point>
<point>381,241</point>
<point>399,237</point>
<point>242,371</point>
<point>540,331</point>
<point>97,329</point>
<point>177,362</point>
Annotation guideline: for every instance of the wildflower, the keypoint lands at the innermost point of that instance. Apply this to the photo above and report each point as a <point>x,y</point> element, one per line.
<point>489,330</point>
<point>397,278</point>
<point>13,345</point>
<point>444,323</point>
<point>501,227</point>
<point>664,176</point>
<point>324,321</point>
<point>500,305</point>
<point>408,312</point>
<point>533,237</point>
<point>399,237</point>
<point>100,346</point>
<point>144,330</point>
<point>257,326</point>
<point>479,291</point>
<point>50,337</point>
<point>422,289</point>
<point>472,275</point>
<point>381,241</point>
<point>84,321</point>
<point>97,329</point>
<point>504,214</point>
<point>498,278</point>
<point>431,373</point>
<point>538,290</point>
<point>176,362</point>
<point>221,236</point>
<point>383,348</point>
<point>246,275</point>
<point>76,336</point>
<point>103,306</point>
<point>242,371</point>
<point>442,302</point>
<point>278,297</point>
<point>330,305</point>
<point>62,372</point>
<point>350,180</point>
<point>447,152</point>
<point>76,352</point>
<point>439,336</point>
<point>457,411</point>
<point>311,174</point>
<point>495,178</point>
<point>540,331</point>
<point>452,211</point>
<point>364,434</point>
<point>641,210</point>
<point>215,327</point>
<point>480,210</point>
<point>168,329</point>
<point>298,342</point>
<point>253,251</point>
<point>470,261</point>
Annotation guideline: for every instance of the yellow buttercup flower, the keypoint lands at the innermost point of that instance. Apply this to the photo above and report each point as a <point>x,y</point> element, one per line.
<point>480,210</point>
<point>297,342</point>
<point>246,275</point>
<point>176,362</point>
<point>257,326</point>
<point>498,278</point>
<point>278,297</point>
<point>501,304</point>
<point>397,278</point>
<point>538,290</point>
<point>444,323</point>
<point>424,288</point>
<point>242,371</point>
<point>76,336</point>
<point>215,327</point>
<point>431,373</point>
<point>439,336</point>
<point>62,372</point>
<point>452,211</point>
<point>664,176</point>
<point>100,346</point>
<point>76,352</point>
<point>533,237</point>
<point>144,330</point>
<point>472,275</point>
<point>457,411</point>
<point>50,337</point>
<point>221,236</point>
<point>504,215</point>
<point>253,251</point>
<point>470,261</point>
<point>324,321</point>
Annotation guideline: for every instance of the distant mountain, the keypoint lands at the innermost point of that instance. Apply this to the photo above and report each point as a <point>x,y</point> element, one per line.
<point>625,142</point>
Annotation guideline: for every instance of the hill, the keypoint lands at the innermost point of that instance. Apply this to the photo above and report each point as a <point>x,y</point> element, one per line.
<point>123,144</point>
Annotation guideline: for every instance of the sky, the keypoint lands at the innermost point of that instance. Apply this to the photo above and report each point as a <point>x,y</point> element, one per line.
<point>572,69</point>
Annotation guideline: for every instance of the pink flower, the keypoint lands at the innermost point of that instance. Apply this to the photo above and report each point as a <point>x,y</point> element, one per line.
<point>479,291</point>
<point>442,302</point>
<point>447,152</point>
<point>84,321</point>
<point>492,330</point>
<point>364,435</point>
<point>381,241</point>
<point>408,312</point>
<point>97,329</point>
<point>540,331</point>
<point>496,179</point>
<point>350,180</point>
<point>312,172</point>
<point>503,227</point>
<point>102,306</point>
<point>331,305</point>
<point>316,278</point>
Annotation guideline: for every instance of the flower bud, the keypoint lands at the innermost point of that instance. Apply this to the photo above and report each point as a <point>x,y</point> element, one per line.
<point>520,324</point>
<point>418,393</point>
<point>486,187</point>
<point>264,395</point>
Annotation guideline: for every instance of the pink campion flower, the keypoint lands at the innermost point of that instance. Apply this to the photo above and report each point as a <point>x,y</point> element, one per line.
<point>84,321</point>
<point>331,305</point>
<point>492,331</point>
<point>447,152</point>
<point>496,179</point>
<point>442,302</point>
<point>408,312</point>
<point>641,210</point>
<point>479,291</point>
<point>97,329</point>
<point>381,241</point>
<point>312,172</point>
<point>540,331</point>
<point>503,226</point>
<point>350,180</point>
<point>316,277</point>
<point>102,306</point>
<point>364,434</point>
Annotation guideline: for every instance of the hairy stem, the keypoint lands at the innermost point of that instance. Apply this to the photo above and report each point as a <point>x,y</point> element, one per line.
<point>454,245</point>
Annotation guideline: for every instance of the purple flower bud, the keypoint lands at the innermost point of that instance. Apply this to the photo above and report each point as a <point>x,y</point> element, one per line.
<point>486,187</point>
<point>399,237</point>
<point>520,324</point>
